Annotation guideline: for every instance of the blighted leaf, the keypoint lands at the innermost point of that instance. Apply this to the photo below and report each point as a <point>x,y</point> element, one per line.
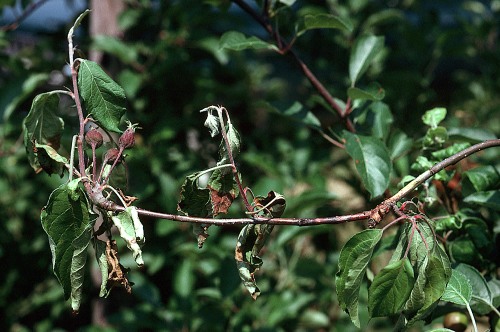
<point>68,222</point>
<point>116,272</point>
<point>223,191</point>
<point>434,116</point>
<point>46,158</point>
<point>321,21</point>
<point>391,288</point>
<point>458,290</point>
<point>195,201</point>
<point>372,159</point>
<point>364,51</point>
<point>200,230</point>
<point>77,23</point>
<point>103,97</point>
<point>234,141</point>
<point>250,240</point>
<point>212,122</point>
<point>271,206</point>
<point>373,92</point>
<point>237,41</point>
<point>100,254</point>
<point>131,231</point>
<point>353,261</point>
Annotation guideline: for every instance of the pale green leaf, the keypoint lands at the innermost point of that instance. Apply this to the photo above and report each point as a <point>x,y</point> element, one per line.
<point>458,290</point>
<point>321,21</point>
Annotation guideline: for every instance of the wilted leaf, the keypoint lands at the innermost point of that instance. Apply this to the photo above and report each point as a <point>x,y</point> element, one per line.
<point>68,221</point>
<point>223,191</point>
<point>272,206</point>
<point>103,97</point>
<point>372,161</point>
<point>131,230</point>
<point>391,288</point>
<point>353,260</point>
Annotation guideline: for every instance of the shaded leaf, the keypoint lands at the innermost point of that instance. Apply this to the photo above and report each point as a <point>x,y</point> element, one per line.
<point>481,300</point>
<point>435,136</point>
<point>373,92</point>
<point>296,111</point>
<point>27,87</point>
<point>353,260</point>
<point>321,21</point>
<point>237,41</point>
<point>490,199</point>
<point>68,222</point>
<point>364,51</point>
<point>483,177</point>
<point>398,144</point>
<point>391,288</point>
<point>372,159</point>
<point>195,201</point>
<point>100,254</point>
<point>103,97</point>
<point>471,135</point>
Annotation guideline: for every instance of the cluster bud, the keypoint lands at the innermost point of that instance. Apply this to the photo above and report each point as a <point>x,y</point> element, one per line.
<point>93,138</point>
<point>127,139</point>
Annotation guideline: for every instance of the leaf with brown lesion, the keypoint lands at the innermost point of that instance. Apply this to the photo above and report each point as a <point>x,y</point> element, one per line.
<point>117,273</point>
<point>223,191</point>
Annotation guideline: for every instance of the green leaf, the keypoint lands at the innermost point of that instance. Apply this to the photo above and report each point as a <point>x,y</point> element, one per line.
<point>364,51</point>
<point>102,261</point>
<point>391,288</point>
<point>127,53</point>
<point>382,119</point>
<point>48,159</point>
<point>237,41</point>
<point>398,144</point>
<point>131,230</point>
<point>195,201</point>
<point>103,97</point>
<point>372,161</point>
<point>68,222</point>
<point>450,151</point>
<point>434,116</point>
<point>481,300</point>
<point>296,111</point>
<point>471,135</point>
<point>483,177</point>
<point>353,260</point>
<point>373,92</point>
<point>435,137</point>
<point>184,278</point>
<point>321,21</point>
<point>490,199</point>
<point>458,290</point>
<point>250,240</point>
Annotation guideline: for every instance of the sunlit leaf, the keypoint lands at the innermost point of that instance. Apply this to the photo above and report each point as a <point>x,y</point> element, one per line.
<point>353,260</point>
<point>131,230</point>
<point>68,222</point>
<point>364,51</point>
<point>372,161</point>
<point>103,97</point>
<point>481,300</point>
<point>391,288</point>
<point>434,116</point>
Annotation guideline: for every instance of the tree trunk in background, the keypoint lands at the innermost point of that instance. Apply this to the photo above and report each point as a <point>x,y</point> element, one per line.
<point>104,21</point>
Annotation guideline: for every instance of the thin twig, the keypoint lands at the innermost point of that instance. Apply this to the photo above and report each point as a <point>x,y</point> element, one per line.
<point>28,11</point>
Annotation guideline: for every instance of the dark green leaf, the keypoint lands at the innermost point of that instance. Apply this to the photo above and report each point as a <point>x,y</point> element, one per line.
<point>483,177</point>
<point>458,290</point>
<point>398,144</point>
<point>184,278</point>
<point>237,41</point>
<point>372,161</point>
<point>391,288</point>
<point>195,201</point>
<point>296,111</point>
<point>68,221</point>
<point>373,92</point>
<point>353,260</point>
<point>382,119</point>
<point>103,97</point>
<point>26,89</point>
<point>434,116</point>
<point>102,261</point>
<point>471,135</point>
<point>463,250</point>
<point>490,199</point>
<point>364,51</point>
<point>320,21</point>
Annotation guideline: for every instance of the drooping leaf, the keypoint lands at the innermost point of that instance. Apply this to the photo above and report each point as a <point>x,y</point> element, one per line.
<point>223,191</point>
<point>102,261</point>
<point>434,116</point>
<point>391,288</point>
<point>353,260</point>
<point>103,97</point>
<point>364,51</point>
<point>195,201</point>
<point>237,41</point>
<point>77,23</point>
<point>320,21</point>
<point>212,122</point>
<point>234,140</point>
<point>372,159</point>
<point>68,222</point>
<point>271,206</point>
<point>131,230</point>
<point>458,290</point>
<point>250,240</point>
<point>373,92</point>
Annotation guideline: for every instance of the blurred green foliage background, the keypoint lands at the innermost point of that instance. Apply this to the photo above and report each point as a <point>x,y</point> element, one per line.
<point>437,53</point>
